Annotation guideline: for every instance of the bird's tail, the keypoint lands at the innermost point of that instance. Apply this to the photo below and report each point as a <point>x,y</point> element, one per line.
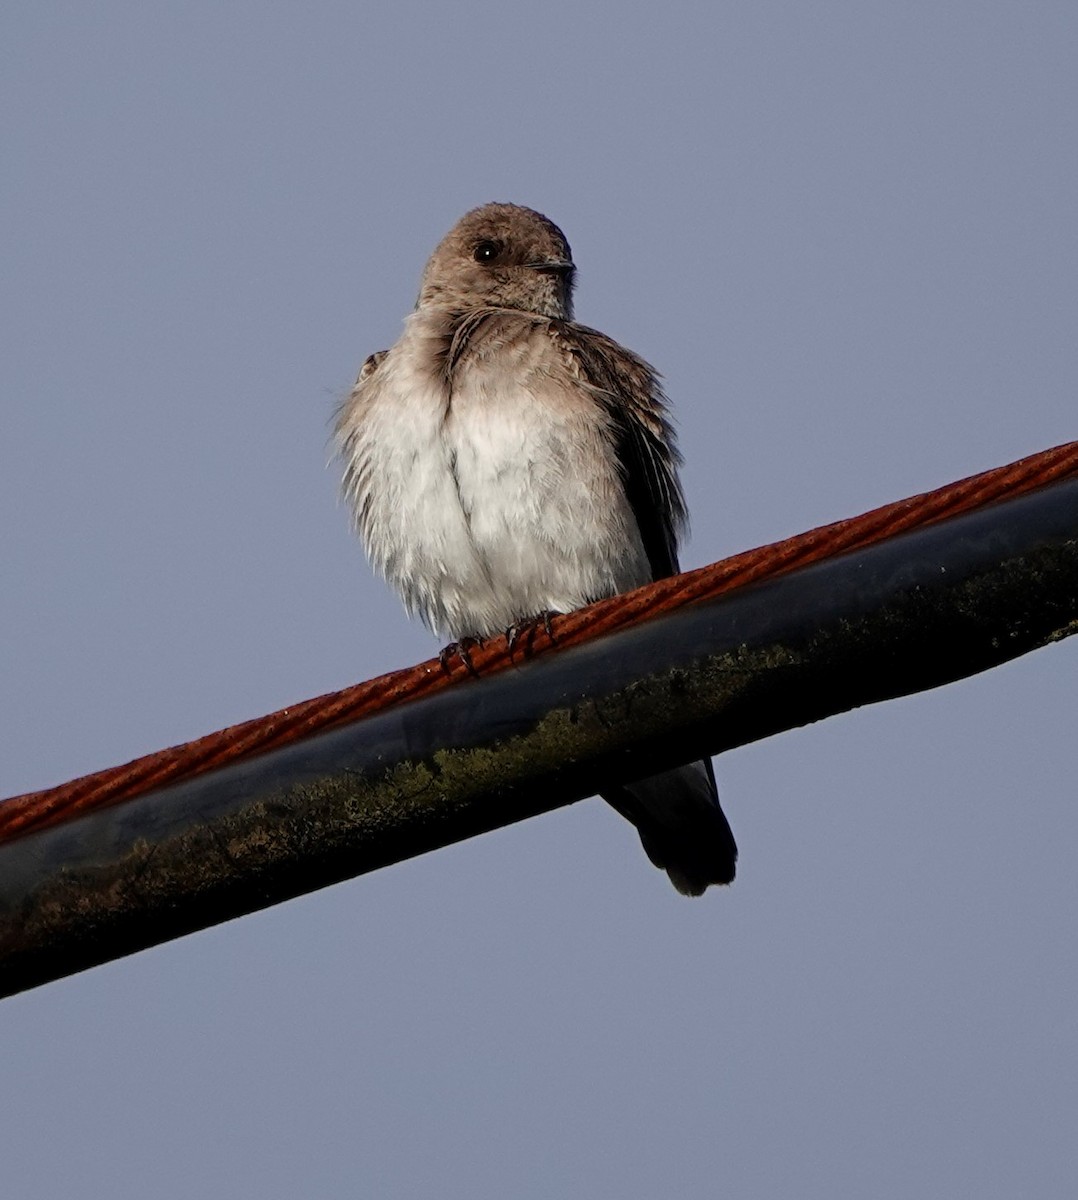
<point>681,825</point>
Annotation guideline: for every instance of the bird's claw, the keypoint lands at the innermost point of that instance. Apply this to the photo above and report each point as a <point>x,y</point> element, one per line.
<point>527,629</point>
<point>461,650</point>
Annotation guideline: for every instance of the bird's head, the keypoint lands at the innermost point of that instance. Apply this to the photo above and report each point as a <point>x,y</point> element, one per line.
<point>501,256</point>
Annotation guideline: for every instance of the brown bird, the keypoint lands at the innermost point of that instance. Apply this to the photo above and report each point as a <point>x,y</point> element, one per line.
<point>503,462</point>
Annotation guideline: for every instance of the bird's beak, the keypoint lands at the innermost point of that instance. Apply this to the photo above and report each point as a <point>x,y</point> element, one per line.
<point>554,266</point>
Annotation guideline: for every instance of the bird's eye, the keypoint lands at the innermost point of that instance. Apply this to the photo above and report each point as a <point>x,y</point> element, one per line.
<point>487,252</point>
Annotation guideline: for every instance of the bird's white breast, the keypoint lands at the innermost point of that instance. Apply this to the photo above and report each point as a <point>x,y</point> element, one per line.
<point>494,500</point>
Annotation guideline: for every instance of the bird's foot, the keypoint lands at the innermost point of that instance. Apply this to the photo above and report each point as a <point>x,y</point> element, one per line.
<point>461,650</point>
<point>527,629</point>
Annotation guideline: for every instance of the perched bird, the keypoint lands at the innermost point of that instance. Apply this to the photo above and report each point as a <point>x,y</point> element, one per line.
<point>503,462</point>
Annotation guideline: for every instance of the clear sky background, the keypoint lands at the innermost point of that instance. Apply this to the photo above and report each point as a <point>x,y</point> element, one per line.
<point>846,234</point>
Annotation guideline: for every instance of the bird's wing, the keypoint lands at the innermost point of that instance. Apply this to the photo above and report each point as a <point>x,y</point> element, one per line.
<point>677,813</point>
<point>346,430</point>
<point>629,390</point>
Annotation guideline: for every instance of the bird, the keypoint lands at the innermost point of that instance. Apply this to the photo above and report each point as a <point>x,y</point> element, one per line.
<point>503,463</point>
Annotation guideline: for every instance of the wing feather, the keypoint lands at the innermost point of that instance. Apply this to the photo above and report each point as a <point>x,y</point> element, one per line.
<point>644,441</point>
